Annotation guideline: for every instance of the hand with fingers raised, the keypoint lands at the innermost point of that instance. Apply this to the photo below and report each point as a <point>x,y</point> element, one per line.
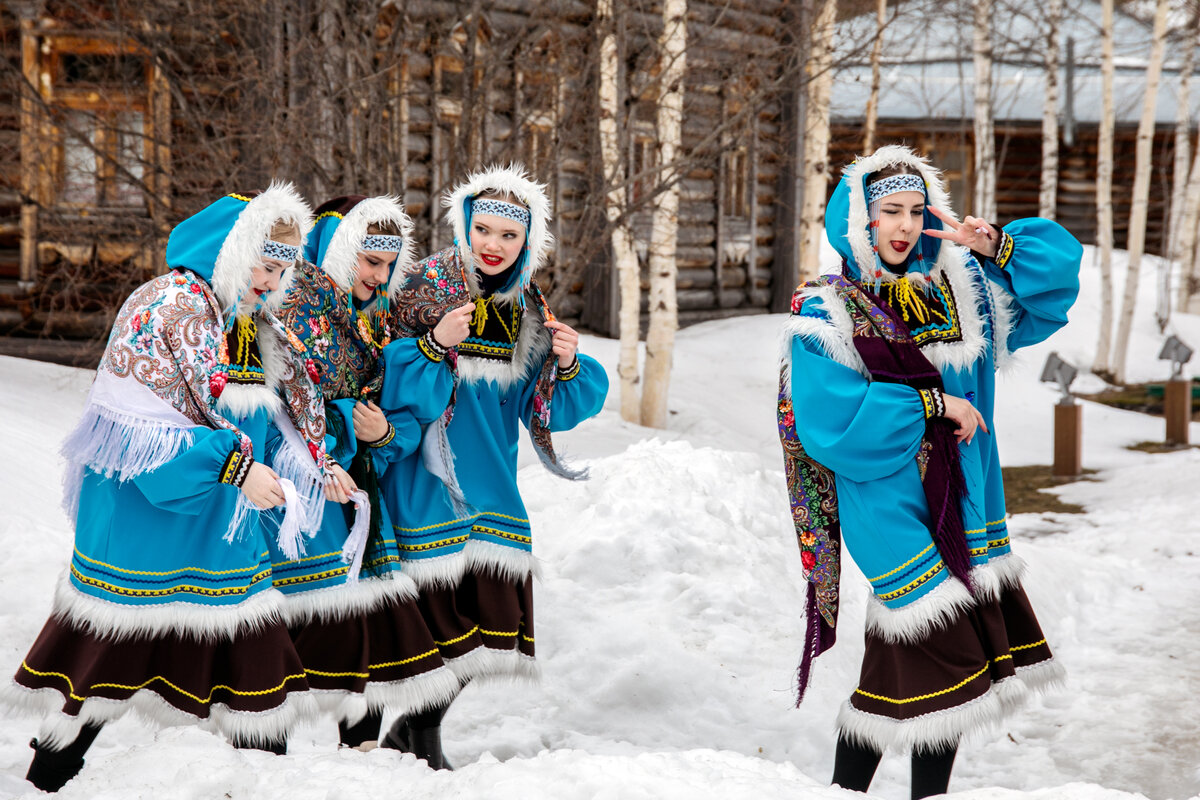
<point>972,233</point>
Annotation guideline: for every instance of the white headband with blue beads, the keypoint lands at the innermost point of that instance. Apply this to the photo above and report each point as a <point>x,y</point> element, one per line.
<point>279,250</point>
<point>501,208</point>
<point>894,184</point>
<point>379,241</point>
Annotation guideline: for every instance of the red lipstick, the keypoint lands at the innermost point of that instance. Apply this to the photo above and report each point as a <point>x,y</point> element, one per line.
<point>492,261</point>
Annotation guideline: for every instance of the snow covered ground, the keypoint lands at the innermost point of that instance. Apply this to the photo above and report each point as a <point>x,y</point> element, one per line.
<point>669,615</point>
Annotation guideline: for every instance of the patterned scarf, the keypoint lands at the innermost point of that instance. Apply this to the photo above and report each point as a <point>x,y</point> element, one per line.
<point>343,344</point>
<point>439,284</point>
<point>890,355</point>
<point>167,361</point>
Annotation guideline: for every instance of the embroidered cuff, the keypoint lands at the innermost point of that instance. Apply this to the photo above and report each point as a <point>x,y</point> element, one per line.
<point>236,468</point>
<point>430,348</point>
<point>565,374</point>
<point>933,402</point>
<point>386,439</point>
<point>1004,250</point>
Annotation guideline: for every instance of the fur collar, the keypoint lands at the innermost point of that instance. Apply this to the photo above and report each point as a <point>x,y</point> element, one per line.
<point>513,180</point>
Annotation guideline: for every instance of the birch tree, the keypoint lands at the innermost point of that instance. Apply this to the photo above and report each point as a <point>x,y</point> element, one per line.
<point>616,201</point>
<point>816,139</point>
<point>1140,204</point>
<point>985,137</point>
<point>664,311</point>
<point>1180,185</point>
<point>1104,176</point>
<point>873,98</point>
<point>1048,194</point>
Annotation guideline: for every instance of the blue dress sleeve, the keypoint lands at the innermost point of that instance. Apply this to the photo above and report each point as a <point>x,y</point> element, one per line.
<point>1038,266</point>
<point>402,440</point>
<point>416,378</point>
<point>185,484</point>
<point>578,394</point>
<point>863,430</point>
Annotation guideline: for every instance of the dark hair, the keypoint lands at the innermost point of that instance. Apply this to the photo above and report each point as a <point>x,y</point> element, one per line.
<point>894,169</point>
<point>384,228</point>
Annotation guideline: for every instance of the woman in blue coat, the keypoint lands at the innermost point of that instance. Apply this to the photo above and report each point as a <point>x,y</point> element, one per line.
<point>167,608</point>
<point>484,357</point>
<point>352,610</point>
<point>885,412</point>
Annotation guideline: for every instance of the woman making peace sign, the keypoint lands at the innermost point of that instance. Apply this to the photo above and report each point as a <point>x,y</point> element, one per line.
<point>887,391</point>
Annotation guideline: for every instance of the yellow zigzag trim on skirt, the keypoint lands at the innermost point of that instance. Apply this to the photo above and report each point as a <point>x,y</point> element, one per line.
<point>184,692</point>
<point>905,564</point>
<point>459,521</point>
<point>384,665</point>
<point>466,635</point>
<point>185,588</point>
<point>167,572</point>
<point>956,686</point>
<point>912,586</point>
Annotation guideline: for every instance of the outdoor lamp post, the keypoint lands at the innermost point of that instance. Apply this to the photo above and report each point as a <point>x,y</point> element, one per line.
<point>1177,393</point>
<point>1068,418</point>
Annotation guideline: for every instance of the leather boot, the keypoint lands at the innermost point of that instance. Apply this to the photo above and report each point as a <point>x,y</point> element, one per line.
<point>52,768</point>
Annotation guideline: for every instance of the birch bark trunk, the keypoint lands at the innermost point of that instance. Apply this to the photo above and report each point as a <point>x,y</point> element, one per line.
<point>985,137</point>
<point>1048,195</point>
<point>816,140</point>
<point>1181,186</point>
<point>664,311</point>
<point>1104,175</point>
<point>873,98</point>
<point>616,204</point>
<point>1140,204</point>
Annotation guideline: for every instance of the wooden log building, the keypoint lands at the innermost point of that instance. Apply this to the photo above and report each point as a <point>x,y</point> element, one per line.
<point>120,118</point>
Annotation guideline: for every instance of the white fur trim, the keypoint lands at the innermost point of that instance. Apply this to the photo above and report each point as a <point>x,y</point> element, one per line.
<point>1004,319</point>
<point>406,696</point>
<point>239,401</point>
<point>938,729</point>
<point>241,251</point>
<point>533,343</point>
<point>832,334</point>
<point>495,666</point>
<point>333,603</point>
<point>967,291</point>
<point>500,560</point>
<point>340,259</point>
<point>59,729</point>
<point>1043,676</point>
<point>1003,572</point>
<point>913,622</point>
<point>514,180</point>
<point>206,623</point>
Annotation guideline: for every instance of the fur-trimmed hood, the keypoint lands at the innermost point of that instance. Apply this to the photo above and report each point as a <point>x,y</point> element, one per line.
<point>513,180</point>
<point>223,242</point>
<point>339,231</point>
<point>847,219</point>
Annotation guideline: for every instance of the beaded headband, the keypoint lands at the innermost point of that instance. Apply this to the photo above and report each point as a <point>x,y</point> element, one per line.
<point>893,184</point>
<point>500,208</point>
<point>379,241</point>
<point>279,250</point>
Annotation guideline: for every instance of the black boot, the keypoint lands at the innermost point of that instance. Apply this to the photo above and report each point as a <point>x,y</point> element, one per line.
<point>365,730</point>
<point>421,735</point>
<point>52,768</point>
<point>277,746</point>
<point>931,771</point>
<point>854,765</point>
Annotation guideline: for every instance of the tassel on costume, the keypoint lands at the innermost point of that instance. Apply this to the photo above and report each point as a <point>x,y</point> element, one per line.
<point>356,541</point>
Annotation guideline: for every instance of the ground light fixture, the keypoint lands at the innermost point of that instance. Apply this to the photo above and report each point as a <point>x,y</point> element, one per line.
<point>1061,372</point>
<point>1175,351</point>
<point>1068,419</point>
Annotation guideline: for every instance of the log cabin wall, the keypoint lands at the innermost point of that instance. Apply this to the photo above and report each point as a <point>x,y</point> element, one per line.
<point>129,124</point>
<point>950,146</point>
